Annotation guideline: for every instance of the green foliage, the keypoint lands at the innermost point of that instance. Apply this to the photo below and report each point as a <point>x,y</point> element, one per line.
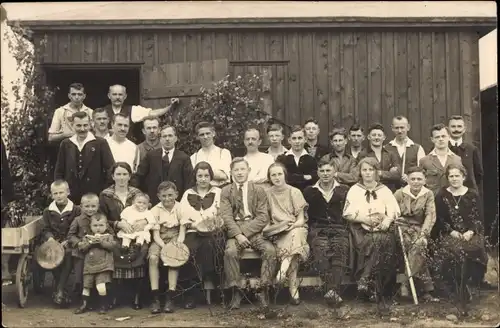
<point>231,105</point>
<point>24,129</point>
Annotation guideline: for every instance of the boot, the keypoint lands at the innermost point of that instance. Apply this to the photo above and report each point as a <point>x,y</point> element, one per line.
<point>84,307</point>
<point>103,306</point>
<point>236,299</point>
<point>155,305</point>
<point>169,304</point>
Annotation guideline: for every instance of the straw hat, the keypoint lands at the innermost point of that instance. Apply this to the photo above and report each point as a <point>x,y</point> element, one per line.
<point>174,254</point>
<point>274,229</point>
<point>50,254</point>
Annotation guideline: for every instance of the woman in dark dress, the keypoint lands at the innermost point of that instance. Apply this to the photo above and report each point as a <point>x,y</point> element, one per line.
<point>129,265</point>
<point>461,254</point>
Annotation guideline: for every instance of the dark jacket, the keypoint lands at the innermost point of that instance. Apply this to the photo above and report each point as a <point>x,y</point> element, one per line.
<point>98,257</point>
<point>322,214</point>
<point>56,223</point>
<point>79,228</point>
<point>257,205</point>
<point>295,173</point>
<point>320,150</point>
<point>388,160</point>
<point>88,171</point>
<point>152,171</point>
<point>471,160</point>
<point>111,206</point>
<point>345,167</point>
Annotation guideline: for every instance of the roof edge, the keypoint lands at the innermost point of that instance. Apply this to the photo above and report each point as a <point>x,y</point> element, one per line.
<point>485,24</point>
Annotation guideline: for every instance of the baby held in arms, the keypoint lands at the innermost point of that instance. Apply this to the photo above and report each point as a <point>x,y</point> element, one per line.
<point>140,219</point>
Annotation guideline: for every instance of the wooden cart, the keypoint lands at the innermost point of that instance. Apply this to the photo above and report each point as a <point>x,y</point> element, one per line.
<point>21,241</point>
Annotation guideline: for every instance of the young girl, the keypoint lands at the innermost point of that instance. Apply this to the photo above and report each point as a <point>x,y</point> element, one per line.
<point>287,205</point>
<point>140,219</point>
<point>98,265</point>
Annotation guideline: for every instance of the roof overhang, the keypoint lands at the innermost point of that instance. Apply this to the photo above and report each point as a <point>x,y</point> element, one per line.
<point>482,25</point>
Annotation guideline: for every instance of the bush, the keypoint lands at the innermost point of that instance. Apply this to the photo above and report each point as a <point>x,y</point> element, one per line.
<point>231,105</point>
<point>24,130</point>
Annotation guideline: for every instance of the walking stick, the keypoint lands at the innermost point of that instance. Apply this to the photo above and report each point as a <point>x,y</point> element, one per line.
<point>407,264</point>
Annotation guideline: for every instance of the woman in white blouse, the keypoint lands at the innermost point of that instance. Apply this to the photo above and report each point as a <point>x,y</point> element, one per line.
<point>371,208</point>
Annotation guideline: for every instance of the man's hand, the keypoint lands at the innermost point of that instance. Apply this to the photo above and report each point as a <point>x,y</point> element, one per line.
<point>468,235</point>
<point>394,169</point>
<point>404,177</point>
<point>307,177</point>
<point>384,225</point>
<point>242,241</point>
<point>456,234</point>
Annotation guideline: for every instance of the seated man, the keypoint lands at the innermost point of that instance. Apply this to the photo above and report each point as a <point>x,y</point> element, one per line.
<point>328,232</point>
<point>244,209</point>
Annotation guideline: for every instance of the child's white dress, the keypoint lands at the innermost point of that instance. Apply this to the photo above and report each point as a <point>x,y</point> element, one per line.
<point>141,223</point>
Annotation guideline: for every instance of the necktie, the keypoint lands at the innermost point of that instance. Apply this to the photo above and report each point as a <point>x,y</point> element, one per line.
<point>165,158</point>
<point>241,208</point>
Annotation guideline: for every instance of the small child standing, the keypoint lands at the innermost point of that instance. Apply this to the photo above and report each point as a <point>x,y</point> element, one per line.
<point>98,265</point>
<point>57,219</point>
<point>141,220</point>
<point>167,215</point>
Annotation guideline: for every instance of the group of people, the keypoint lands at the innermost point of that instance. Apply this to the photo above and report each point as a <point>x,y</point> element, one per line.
<point>340,205</point>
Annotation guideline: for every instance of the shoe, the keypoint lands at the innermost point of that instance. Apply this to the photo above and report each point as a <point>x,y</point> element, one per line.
<point>155,306</point>
<point>295,301</point>
<point>169,304</point>
<point>428,298</point>
<point>262,297</point>
<point>333,298</point>
<point>103,306</point>
<point>84,307</point>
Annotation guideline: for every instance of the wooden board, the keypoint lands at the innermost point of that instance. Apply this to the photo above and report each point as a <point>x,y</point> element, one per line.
<point>17,240</point>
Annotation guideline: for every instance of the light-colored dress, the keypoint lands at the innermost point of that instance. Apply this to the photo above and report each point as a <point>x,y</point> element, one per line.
<point>194,208</point>
<point>285,206</point>
<point>141,222</point>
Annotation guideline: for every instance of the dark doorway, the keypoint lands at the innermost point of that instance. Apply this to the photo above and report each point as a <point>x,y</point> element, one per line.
<point>96,83</point>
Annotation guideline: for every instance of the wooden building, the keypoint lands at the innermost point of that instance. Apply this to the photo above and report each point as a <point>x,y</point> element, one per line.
<point>316,61</point>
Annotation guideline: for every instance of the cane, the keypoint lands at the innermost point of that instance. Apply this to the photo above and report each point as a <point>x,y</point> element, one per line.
<point>407,264</point>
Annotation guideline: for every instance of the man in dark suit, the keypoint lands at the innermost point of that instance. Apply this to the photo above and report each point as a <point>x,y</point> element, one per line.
<point>312,145</point>
<point>164,164</point>
<point>84,161</point>
<point>244,209</point>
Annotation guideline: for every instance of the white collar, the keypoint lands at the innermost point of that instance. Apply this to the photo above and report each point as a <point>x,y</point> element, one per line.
<point>170,152</point>
<point>282,150</point>
<point>449,152</point>
<point>160,205</point>
<point>317,185</point>
<point>407,190</point>
<point>212,148</point>
<point>457,142</point>
<point>245,185</point>
<point>67,208</point>
<point>110,137</point>
<point>83,109</point>
<point>408,142</point>
<point>290,152</point>
<point>89,138</point>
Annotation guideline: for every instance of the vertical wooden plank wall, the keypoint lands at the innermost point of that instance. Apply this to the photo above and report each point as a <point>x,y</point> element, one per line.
<point>339,77</point>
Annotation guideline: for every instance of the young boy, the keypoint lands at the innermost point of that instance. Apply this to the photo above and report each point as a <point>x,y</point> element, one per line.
<point>79,228</point>
<point>57,219</point>
<point>167,228</point>
<point>276,136</point>
<point>98,264</point>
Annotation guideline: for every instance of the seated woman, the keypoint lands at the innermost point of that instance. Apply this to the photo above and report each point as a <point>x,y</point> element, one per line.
<point>461,252</point>
<point>113,200</point>
<point>201,204</point>
<point>371,208</point>
<point>418,215</point>
<point>287,208</point>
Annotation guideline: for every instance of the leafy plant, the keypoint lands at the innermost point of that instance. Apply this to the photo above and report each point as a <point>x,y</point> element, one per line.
<point>23,127</point>
<point>231,105</point>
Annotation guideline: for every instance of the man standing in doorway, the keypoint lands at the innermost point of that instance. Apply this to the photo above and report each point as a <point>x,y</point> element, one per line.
<point>218,158</point>
<point>470,154</point>
<point>406,150</point>
<point>62,124</point>
<point>101,123</point>
<point>117,95</point>
<point>123,149</point>
<point>151,130</point>
<point>311,127</point>
<point>356,138</point>
<point>84,161</point>
<point>164,164</point>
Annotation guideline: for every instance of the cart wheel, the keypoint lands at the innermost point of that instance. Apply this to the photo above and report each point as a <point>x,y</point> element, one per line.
<point>23,279</point>
<point>38,275</point>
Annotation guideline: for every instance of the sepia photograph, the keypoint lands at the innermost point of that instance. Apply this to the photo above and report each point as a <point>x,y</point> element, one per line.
<point>249,164</point>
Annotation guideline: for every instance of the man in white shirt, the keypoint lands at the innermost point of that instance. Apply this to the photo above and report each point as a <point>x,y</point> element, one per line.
<point>218,158</point>
<point>117,95</point>
<point>123,149</point>
<point>276,137</point>
<point>62,124</point>
<point>258,161</point>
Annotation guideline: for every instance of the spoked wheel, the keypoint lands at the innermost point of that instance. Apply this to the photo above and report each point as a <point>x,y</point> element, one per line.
<point>23,279</point>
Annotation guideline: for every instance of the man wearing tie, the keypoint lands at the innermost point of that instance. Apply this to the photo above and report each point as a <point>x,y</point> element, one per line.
<point>164,164</point>
<point>471,157</point>
<point>244,209</point>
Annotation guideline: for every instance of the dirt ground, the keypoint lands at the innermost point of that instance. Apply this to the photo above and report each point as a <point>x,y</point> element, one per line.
<point>39,312</point>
